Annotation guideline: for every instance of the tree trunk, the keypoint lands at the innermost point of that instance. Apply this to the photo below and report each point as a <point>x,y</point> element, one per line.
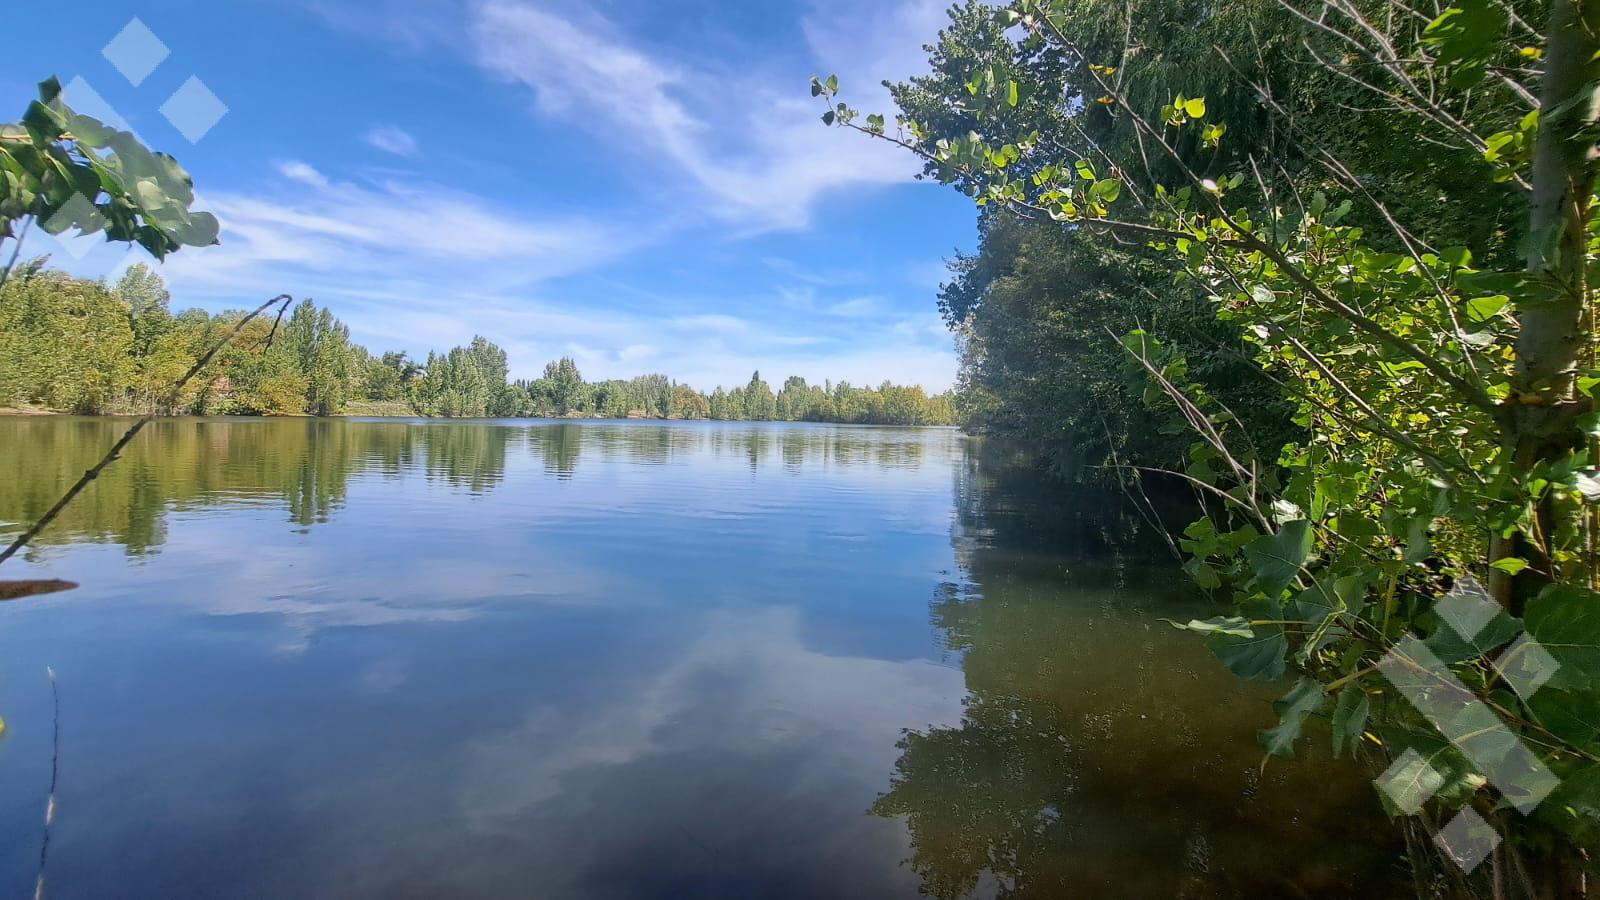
<point>1539,418</point>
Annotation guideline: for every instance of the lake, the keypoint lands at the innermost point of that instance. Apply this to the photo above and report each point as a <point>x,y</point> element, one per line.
<point>554,659</point>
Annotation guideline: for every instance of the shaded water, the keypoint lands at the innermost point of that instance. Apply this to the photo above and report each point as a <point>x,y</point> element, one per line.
<point>329,658</point>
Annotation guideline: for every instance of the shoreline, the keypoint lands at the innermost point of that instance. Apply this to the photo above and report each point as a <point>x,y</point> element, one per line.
<point>37,412</point>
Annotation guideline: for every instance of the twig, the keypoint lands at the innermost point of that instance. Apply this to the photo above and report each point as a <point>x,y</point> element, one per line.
<point>55,776</point>
<point>169,401</point>
<point>5,274</point>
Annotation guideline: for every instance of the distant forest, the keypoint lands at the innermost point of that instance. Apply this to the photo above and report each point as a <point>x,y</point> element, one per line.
<point>91,347</point>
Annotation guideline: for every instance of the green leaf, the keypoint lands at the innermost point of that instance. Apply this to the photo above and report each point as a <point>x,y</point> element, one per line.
<point>1303,699</point>
<point>45,120</point>
<point>1207,578</point>
<point>1349,719</point>
<point>1465,35</point>
<point>1195,107</point>
<point>1437,770</point>
<point>1511,565</point>
<point>1452,648</point>
<point>1572,716</point>
<point>1106,190</point>
<point>1277,558</point>
<point>1482,309</point>
<point>828,117</point>
<point>1013,97</point>
<point>833,84</point>
<point>1565,620</point>
<point>49,89</point>
<point>1259,657</point>
<point>1239,626</point>
<point>1326,597</point>
<point>1574,806</point>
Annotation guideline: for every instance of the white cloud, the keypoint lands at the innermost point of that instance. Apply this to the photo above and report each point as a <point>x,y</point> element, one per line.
<point>371,234</point>
<point>391,139</point>
<point>636,353</point>
<point>716,323</point>
<point>784,694</point>
<point>753,151</point>
<point>857,307</point>
<point>295,170</point>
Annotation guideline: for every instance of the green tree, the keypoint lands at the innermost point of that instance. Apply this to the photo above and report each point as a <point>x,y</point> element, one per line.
<point>1445,391</point>
<point>567,391</point>
<point>759,403</point>
<point>64,343</point>
<point>688,403</point>
<point>149,305</point>
<point>319,347</point>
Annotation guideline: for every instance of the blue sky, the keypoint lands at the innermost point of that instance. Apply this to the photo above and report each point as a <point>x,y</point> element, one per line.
<point>642,185</point>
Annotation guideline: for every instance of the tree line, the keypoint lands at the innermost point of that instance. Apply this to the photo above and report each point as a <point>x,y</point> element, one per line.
<point>90,347</point>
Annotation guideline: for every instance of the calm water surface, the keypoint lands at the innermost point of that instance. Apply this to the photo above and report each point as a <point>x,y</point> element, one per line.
<point>405,659</point>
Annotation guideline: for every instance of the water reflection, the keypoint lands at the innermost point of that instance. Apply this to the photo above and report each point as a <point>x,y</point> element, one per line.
<point>1101,753</point>
<point>307,465</point>
<point>564,659</point>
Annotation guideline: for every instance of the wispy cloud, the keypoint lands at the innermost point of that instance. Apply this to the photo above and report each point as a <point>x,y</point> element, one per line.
<point>753,150</point>
<point>419,266</point>
<point>395,140</point>
<point>857,307</point>
<point>362,230</point>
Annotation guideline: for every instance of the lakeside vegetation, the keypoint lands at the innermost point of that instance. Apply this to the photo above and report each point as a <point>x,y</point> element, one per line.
<point>1333,266</point>
<point>75,345</point>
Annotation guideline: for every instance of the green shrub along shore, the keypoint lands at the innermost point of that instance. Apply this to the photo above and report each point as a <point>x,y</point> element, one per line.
<point>92,348</point>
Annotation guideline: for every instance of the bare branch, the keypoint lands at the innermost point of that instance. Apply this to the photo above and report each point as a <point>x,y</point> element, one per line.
<point>116,449</point>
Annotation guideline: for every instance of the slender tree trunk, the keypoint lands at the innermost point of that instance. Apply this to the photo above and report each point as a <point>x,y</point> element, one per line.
<point>1539,418</point>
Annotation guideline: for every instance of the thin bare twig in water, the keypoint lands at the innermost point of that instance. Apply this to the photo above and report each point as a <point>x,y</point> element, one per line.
<point>1152,517</point>
<point>168,402</point>
<point>55,774</point>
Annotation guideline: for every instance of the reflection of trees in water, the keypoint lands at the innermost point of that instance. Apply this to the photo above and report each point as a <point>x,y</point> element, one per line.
<point>559,446</point>
<point>639,443</point>
<point>800,446</point>
<point>464,455</point>
<point>1100,752</point>
<point>189,464</point>
<point>307,464</point>
<point>793,446</point>
<point>747,442</point>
